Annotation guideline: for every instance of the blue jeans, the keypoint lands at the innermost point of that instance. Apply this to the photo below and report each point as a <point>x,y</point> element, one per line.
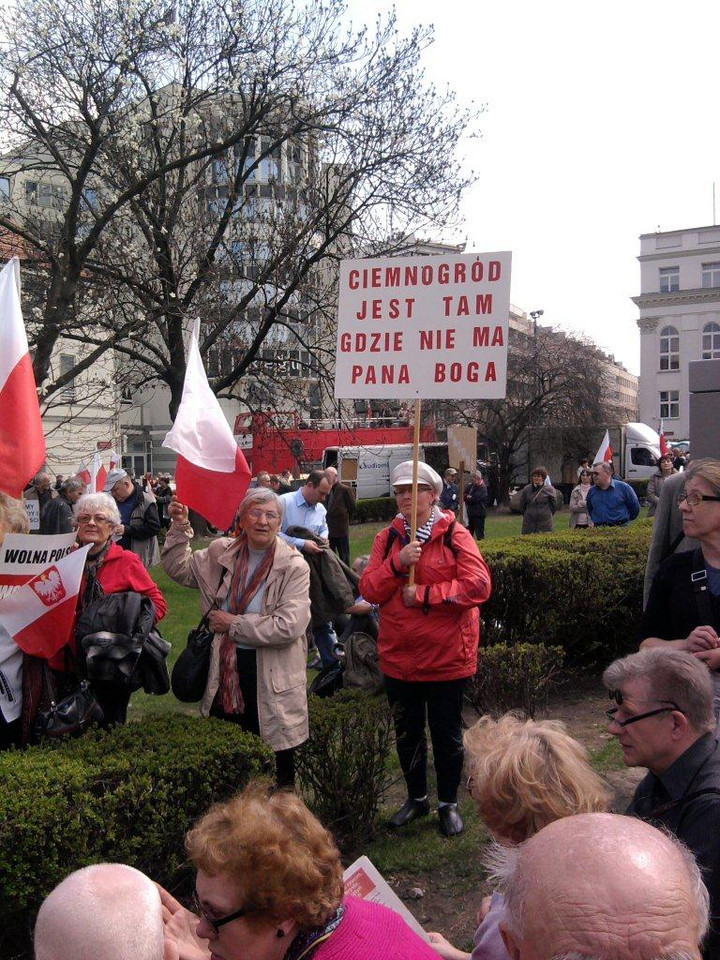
<point>325,639</point>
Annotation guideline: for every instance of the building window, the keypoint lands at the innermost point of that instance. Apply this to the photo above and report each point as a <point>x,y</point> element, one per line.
<point>710,275</point>
<point>67,362</point>
<point>669,404</point>
<point>669,279</point>
<point>711,342</point>
<point>669,349</point>
<point>4,186</point>
<point>44,194</point>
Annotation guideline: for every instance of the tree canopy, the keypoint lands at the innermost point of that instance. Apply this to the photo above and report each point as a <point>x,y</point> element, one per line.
<point>211,158</point>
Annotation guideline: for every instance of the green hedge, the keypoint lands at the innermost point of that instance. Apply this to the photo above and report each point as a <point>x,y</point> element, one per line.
<point>520,677</point>
<point>640,487</point>
<point>580,590</point>
<point>128,795</point>
<point>343,767</point>
<point>375,510</point>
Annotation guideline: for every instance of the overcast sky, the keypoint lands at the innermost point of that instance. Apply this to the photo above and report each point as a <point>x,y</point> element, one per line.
<point>601,123</point>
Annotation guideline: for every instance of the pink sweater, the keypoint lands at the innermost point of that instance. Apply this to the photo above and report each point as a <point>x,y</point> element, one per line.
<point>369,931</point>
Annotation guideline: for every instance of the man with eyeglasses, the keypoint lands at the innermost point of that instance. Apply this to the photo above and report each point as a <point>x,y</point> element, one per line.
<point>611,502</point>
<point>662,716</point>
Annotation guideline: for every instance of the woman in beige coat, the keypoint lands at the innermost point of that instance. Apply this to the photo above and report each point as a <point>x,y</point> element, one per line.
<point>258,588</point>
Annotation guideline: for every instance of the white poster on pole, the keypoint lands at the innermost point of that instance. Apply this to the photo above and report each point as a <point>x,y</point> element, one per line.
<point>423,327</point>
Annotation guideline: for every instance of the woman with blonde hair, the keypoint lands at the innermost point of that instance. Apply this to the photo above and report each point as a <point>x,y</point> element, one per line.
<point>524,774</point>
<point>269,887</point>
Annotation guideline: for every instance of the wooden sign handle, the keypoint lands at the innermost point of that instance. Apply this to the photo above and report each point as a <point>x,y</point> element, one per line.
<point>413,507</point>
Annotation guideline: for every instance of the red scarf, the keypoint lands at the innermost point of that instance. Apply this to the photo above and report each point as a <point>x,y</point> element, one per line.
<point>231,699</point>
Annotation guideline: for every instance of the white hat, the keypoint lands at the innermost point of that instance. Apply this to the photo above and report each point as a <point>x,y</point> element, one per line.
<point>112,478</point>
<point>403,474</point>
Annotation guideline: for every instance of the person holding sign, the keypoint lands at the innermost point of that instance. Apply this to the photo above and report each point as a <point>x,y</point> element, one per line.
<point>428,636</point>
<point>13,519</point>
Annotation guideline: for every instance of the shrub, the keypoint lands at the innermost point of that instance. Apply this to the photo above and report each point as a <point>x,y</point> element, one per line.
<point>578,589</point>
<point>343,767</point>
<point>520,677</point>
<point>375,510</point>
<point>640,487</point>
<point>128,794</point>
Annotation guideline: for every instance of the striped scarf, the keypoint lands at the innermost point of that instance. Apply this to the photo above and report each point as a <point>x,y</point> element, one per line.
<point>422,533</point>
<point>240,594</point>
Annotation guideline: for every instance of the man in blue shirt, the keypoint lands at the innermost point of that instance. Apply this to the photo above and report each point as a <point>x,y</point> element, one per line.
<point>610,502</point>
<point>304,508</point>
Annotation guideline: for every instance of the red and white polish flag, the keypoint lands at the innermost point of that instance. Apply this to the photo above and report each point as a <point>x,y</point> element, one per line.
<point>114,460</point>
<point>82,473</point>
<point>212,474</point>
<point>22,444</point>
<point>604,454</point>
<point>664,448</point>
<point>98,474</point>
<point>39,615</point>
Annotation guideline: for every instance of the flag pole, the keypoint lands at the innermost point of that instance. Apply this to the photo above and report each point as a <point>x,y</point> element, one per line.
<point>413,507</point>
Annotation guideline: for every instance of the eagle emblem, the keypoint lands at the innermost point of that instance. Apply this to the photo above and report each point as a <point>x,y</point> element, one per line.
<point>49,586</point>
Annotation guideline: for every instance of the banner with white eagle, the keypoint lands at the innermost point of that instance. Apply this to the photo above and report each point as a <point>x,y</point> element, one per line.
<point>39,614</point>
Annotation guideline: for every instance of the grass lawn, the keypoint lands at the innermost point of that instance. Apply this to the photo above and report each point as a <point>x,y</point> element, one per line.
<point>448,871</point>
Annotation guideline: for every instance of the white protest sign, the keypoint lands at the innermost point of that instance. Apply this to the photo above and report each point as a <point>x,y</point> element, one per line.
<point>462,447</point>
<point>23,555</point>
<point>423,327</point>
<point>32,508</point>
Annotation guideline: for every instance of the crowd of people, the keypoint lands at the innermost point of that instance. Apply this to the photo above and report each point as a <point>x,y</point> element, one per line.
<point>572,879</point>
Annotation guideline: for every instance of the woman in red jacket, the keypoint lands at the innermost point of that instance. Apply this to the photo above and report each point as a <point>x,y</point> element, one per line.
<point>428,637</point>
<point>110,569</point>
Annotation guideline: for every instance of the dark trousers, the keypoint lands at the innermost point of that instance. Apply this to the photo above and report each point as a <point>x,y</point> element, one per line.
<point>341,546</point>
<point>476,526</point>
<point>249,720</point>
<point>113,698</point>
<point>10,733</point>
<point>441,702</point>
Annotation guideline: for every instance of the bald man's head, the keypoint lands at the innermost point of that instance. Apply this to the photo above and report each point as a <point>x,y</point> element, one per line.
<point>604,887</point>
<point>104,912</point>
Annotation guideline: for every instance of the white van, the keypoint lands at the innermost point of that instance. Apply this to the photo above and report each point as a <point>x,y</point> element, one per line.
<point>367,469</point>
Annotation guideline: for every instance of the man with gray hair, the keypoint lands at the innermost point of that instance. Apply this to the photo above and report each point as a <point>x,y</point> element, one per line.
<point>58,514</point>
<point>599,886</point>
<point>663,720</point>
<point>108,911</point>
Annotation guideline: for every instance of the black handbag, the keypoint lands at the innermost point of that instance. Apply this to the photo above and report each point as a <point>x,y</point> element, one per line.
<point>190,673</point>
<point>70,717</point>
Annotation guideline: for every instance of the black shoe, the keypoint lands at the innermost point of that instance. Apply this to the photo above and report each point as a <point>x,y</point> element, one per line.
<point>450,820</point>
<point>408,812</point>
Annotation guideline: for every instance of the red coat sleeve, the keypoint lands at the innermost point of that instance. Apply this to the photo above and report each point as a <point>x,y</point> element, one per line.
<point>128,573</point>
<point>471,585</point>
<point>380,579</point>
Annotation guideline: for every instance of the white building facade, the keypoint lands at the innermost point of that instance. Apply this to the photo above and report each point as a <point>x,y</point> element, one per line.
<point>679,320</point>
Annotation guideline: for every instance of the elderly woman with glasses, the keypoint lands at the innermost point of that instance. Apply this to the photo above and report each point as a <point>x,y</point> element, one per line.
<point>108,569</point>
<point>256,589</point>
<point>428,636</point>
<point>683,610</point>
<point>269,886</point>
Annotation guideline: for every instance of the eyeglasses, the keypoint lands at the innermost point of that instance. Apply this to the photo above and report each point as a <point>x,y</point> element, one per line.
<point>95,517</point>
<point>401,491</point>
<point>213,922</point>
<point>259,514</point>
<point>617,696</point>
<point>693,499</point>
<point>610,714</point>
